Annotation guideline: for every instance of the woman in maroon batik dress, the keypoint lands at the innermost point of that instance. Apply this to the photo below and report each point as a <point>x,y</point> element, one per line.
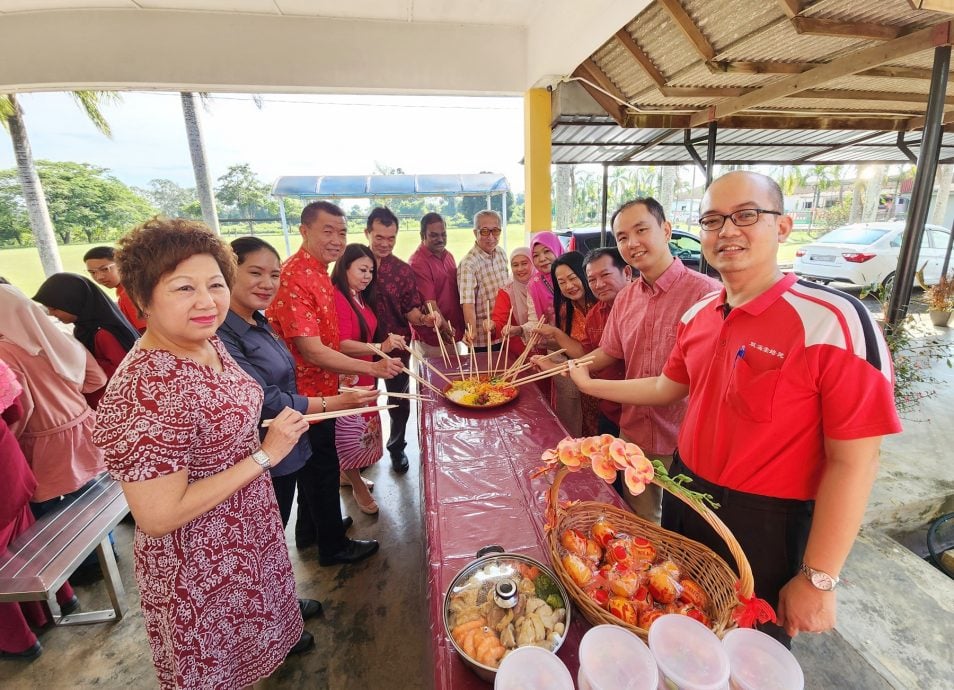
<point>358,438</point>
<point>179,427</point>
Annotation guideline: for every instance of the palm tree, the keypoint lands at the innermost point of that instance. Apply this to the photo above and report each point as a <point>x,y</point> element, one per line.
<point>203,179</point>
<point>11,114</point>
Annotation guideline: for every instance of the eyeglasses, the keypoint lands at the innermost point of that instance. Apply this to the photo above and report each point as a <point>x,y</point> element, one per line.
<point>713,222</point>
<point>101,269</point>
<point>487,232</point>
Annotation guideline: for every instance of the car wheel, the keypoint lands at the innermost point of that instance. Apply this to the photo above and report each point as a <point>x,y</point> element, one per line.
<point>888,283</point>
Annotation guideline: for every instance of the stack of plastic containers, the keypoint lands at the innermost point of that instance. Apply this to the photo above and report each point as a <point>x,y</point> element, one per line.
<point>689,655</point>
<point>612,658</point>
<point>529,668</point>
<point>760,662</point>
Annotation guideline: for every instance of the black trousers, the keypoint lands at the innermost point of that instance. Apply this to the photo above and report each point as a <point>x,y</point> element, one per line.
<point>772,532</point>
<point>285,494</point>
<point>400,414</point>
<point>319,505</point>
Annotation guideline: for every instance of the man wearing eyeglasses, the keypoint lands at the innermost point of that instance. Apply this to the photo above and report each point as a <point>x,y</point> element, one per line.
<point>790,389</point>
<point>480,275</point>
<point>101,265</point>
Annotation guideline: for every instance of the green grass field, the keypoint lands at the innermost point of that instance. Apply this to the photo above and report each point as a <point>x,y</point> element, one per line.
<point>21,266</point>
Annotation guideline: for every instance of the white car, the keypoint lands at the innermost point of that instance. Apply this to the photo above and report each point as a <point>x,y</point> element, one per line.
<point>867,254</point>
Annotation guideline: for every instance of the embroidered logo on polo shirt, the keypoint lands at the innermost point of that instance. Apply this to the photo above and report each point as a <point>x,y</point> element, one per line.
<point>767,350</point>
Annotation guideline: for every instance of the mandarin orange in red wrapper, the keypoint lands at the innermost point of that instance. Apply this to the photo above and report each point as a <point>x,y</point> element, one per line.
<point>643,549</point>
<point>662,585</point>
<point>574,541</point>
<point>649,616</point>
<point>693,593</point>
<point>578,568</point>
<point>623,609</point>
<point>603,531</point>
<point>642,599</point>
<point>594,551</point>
<point>623,582</point>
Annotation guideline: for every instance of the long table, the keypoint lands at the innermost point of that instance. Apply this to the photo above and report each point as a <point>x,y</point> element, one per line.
<point>475,467</point>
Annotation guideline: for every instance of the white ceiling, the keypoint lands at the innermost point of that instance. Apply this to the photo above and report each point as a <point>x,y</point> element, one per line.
<point>493,12</point>
<point>351,46</point>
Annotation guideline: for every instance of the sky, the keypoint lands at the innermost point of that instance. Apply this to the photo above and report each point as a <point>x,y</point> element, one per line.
<point>290,135</point>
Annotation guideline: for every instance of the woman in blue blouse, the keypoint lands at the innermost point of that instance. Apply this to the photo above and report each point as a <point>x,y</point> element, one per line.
<point>254,346</point>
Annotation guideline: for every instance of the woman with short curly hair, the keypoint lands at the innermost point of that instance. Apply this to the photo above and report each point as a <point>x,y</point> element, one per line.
<point>179,428</point>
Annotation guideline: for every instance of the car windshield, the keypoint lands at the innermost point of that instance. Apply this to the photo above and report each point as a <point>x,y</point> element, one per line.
<point>853,234</point>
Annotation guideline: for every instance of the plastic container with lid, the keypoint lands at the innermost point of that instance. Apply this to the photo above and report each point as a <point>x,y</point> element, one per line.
<point>689,655</point>
<point>613,658</point>
<point>532,668</point>
<point>760,662</point>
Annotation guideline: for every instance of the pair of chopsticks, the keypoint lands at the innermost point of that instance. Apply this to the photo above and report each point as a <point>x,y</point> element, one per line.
<point>424,382</point>
<point>407,396</point>
<point>559,369</point>
<point>322,416</point>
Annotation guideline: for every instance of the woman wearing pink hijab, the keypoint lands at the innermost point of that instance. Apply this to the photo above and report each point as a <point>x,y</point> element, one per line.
<point>545,247</point>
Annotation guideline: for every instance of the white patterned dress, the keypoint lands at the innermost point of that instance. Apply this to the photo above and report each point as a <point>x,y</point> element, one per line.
<point>218,594</point>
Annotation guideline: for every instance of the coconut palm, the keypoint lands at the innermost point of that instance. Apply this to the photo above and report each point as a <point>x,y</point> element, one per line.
<point>200,168</point>
<point>11,115</point>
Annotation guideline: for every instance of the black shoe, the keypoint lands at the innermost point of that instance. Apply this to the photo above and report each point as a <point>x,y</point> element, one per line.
<point>70,606</point>
<point>310,608</point>
<point>305,642</point>
<point>303,541</point>
<point>399,462</point>
<point>355,551</point>
<point>346,522</point>
<point>28,654</point>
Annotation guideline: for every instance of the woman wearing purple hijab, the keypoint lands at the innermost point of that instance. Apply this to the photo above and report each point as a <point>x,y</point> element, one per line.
<point>545,247</point>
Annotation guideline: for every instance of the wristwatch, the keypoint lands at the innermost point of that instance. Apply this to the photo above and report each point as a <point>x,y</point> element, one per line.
<point>819,578</point>
<point>262,459</point>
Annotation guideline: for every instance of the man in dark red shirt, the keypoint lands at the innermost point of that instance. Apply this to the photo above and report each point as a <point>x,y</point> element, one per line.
<point>303,314</point>
<point>436,272</point>
<point>399,306</point>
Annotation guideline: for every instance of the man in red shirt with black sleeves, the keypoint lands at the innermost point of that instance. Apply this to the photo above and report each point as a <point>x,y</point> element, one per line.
<point>790,390</point>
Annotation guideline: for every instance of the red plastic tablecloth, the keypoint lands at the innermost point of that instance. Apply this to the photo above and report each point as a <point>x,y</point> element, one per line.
<point>477,492</point>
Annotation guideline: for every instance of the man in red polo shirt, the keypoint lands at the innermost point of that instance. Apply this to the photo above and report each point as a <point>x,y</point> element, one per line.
<point>790,391</point>
<point>303,315</point>
<point>398,307</point>
<point>436,273</point>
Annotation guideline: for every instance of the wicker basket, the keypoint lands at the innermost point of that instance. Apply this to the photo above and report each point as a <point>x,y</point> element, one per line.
<point>698,562</point>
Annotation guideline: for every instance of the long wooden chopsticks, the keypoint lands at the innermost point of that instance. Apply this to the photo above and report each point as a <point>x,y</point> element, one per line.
<point>321,416</point>
<point>424,382</point>
<point>559,369</point>
<point>407,396</point>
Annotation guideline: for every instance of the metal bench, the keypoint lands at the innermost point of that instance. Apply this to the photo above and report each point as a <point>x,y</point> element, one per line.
<point>37,563</point>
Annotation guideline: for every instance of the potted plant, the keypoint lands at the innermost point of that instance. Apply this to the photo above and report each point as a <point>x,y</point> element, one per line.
<point>939,298</point>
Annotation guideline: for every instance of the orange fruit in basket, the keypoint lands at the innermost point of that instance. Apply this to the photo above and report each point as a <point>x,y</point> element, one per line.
<point>594,551</point>
<point>623,582</point>
<point>603,531</point>
<point>623,609</point>
<point>642,599</point>
<point>693,593</point>
<point>578,569</point>
<point>643,549</point>
<point>574,541</point>
<point>662,585</point>
<point>648,617</point>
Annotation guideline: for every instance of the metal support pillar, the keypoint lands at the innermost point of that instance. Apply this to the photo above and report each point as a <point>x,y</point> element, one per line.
<point>605,200</point>
<point>921,193</point>
<point>281,212</point>
<point>710,170</point>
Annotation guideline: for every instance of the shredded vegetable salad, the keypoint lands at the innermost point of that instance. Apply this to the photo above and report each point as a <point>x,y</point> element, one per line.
<point>480,392</point>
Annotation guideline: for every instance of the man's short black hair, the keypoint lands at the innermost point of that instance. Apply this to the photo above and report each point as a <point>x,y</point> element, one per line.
<point>384,216</point>
<point>600,252</point>
<point>428,219</point>
<point>100,253</point>
<point>311,211</point>
<point>653,206</point>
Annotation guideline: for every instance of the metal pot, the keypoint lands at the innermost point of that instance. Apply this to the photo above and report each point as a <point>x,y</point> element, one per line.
<point>504,592</point>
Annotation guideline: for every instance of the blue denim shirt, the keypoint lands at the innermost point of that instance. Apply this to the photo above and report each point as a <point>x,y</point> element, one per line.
<point>266,359</point>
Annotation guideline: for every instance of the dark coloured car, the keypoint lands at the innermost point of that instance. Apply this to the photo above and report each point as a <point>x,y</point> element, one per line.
<point>684,245</point>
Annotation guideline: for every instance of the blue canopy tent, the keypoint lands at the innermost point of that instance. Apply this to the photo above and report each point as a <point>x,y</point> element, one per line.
<point>330,187</point>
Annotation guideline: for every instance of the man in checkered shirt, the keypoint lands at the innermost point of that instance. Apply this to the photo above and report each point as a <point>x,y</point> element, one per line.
<point>480,275</point>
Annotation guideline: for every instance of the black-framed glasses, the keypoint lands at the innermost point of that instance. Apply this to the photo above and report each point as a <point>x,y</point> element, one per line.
<point>487,232</point>
<point>713,222</point>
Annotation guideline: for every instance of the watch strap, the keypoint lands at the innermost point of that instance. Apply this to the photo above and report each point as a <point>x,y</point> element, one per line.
<point>261,458</point>
<point>810,573</point>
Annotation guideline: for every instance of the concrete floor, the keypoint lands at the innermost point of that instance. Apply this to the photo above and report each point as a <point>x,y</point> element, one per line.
<point>896,615</point>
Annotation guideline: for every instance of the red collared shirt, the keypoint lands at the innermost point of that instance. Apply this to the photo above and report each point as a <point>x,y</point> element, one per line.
<point>770,381</point>
<point>596,319</point>
<point>128,309</point>
<point>437,281</point>
<point>641,330</point>
<point>304,306</point>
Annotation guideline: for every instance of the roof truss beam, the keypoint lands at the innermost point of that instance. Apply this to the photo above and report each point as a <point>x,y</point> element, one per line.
<point>628,42</point>
<point>689,28</point>
<point>593,75</point>
<point>830,27</point>
<point>860,60</point>
<point>768,67</point>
